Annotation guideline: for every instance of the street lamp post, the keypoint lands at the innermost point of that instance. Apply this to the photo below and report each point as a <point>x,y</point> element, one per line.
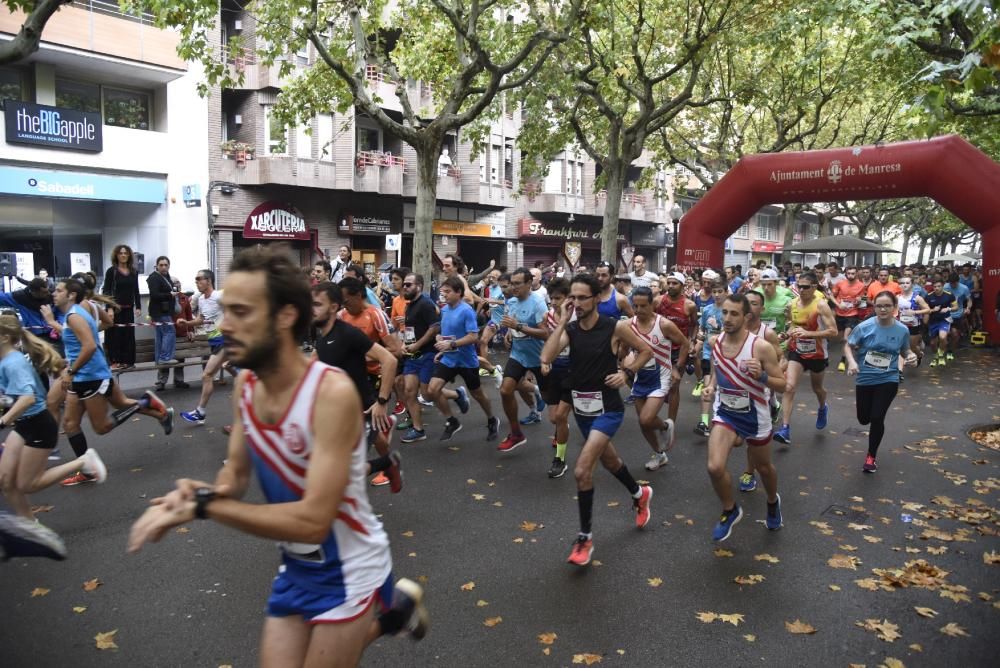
<point>675,215</point>
<point>226,188</point>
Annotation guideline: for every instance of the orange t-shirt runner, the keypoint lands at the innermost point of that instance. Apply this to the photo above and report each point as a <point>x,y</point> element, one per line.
<point>847,296</point>
<point>372,323</point>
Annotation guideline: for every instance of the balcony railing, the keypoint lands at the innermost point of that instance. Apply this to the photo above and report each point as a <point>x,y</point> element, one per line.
<point>373,73</point>
<point>635,199</point>
<point>379,159</point>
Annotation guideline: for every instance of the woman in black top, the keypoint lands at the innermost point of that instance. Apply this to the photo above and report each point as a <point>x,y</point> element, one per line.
<point>121,283</point>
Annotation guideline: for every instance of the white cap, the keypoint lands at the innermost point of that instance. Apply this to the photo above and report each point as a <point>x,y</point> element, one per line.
<point>677,276</point>
<point>710,275</point>
<point>769,274</point>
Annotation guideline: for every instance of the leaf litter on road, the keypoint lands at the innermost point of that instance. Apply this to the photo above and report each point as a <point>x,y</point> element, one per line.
<point>799,627</point>
<point>883,630</point>
<point>106,640</point>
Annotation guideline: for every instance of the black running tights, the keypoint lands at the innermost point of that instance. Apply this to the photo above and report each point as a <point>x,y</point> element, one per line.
<point>873,405</point>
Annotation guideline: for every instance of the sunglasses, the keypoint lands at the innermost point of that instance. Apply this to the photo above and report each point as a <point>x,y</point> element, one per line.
<point>408,285</point>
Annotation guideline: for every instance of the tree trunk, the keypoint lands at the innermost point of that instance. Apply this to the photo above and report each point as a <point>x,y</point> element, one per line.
<point>954,245</point>
<point>786,255</point>
<point>923,247</point>
<point>824,231</point>
<point>423,232</point>
<point>906,243</point>
<point>615,175</point>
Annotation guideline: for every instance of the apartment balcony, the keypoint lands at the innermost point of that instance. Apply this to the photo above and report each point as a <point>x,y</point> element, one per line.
<point>543,202</point>
<point>379,172</point>
<point>499,194</point>
<point>449,186</point>
<point>256,75</point>
<point>99,26</point>
<point>633,206</point>
<point>277,169</point>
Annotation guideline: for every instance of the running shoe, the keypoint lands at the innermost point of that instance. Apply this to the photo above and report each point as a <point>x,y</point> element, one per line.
<point>773,519</point>
<point>511,442</point>
<point>77,479</point>
<point>950,357</point>
<point>399,408</point>
<point>583,550</point>
<point>405,423</point>
<point>775,412</point>
<point>702,429</point>
<point>727,521</point>
<point>531,418</point>
<point>539,402</point>
<point>641,505</point>
<point>395,472</point>
<point>462,400</point>
<point>167,422</point>
<point>407,602</point>
<point>55,456</point>
<point>659,460</point>
<point>380,479</point>
<point>870,465</point>
<point>783,435</point>
<point>483,373</point>
<point>194,417</point>
<point>670,437</point>
<point>558,468</point>
<point>934,362</point>
<point>451,427</point>
<point>152,402</point>
<point>492,428</point>
<point>748,482</point>
<point>821,414</point>
<point>21,537</point>
<point>842,366</point>
<point>423,401</point>
<point>696,392</point>
<point>93,466</point>
<point>413,435</point>
<point>498,376</point>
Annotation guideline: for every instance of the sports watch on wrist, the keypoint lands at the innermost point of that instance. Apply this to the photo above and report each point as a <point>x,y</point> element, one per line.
<point>202,497</point>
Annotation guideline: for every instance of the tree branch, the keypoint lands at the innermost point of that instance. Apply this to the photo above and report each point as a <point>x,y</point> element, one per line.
<point>28,38</point>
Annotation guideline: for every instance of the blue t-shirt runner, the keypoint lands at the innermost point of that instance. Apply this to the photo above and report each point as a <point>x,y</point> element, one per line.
<point>456,322</point>
<point>876,350</point>
<point>18,378</point>
<point>524,349</point>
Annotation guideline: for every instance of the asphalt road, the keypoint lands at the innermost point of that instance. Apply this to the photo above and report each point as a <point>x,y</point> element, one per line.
<point>469,514</point>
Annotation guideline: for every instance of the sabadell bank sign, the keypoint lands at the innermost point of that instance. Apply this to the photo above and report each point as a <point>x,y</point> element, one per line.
<point>275,220</point>
<point>54,127</point>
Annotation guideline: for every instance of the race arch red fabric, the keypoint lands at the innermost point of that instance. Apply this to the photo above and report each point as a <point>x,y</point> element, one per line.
<point>948,169</point>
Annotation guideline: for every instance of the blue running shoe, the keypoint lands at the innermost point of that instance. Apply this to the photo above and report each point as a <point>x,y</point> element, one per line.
<point>194,417</point>
<point>773,521</point>
<point>462,400</point>
<point>413,435</point>
<point>539,402</point>
<point>821,416</point>
<point>531,418</point>
<point>783,435</point>
<point>748,482</point>
<point>726,523</point>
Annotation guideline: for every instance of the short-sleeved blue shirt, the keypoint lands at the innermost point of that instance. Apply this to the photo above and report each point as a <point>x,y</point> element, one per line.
<point>711,325</point>
<point>876,350</point>
<point>456,322</point>
<point>961,294</point>
<point>527,350</point>
<point>18,379</point>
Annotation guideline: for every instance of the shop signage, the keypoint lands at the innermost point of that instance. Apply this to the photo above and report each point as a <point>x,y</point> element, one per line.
<point>648,235</point>
<point>459,229</point>
<point>767,247</point>
<point>572,250</point>
<point>275,220</point>
<point>365,224</point>
<point>55,127</point>
<point>534,229</point>
<point>81,185</point>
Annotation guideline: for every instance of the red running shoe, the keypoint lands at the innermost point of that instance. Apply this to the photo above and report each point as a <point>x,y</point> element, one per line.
<point>511,442</point>
<point>583,549</point>
<point>642,511</point>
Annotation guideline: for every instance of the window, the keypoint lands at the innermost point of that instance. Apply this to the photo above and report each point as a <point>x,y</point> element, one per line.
<point>482,167</point>
<point>11,85</point>
<point>303,142</point>
<point>553,180</point>
<point>495,164</point>
<point>743,232</point>
<point>767,227</point>
<point>126,108</point>
<point>275,134</point>
<point>326,137</point>
<point>78,96</point>
<point>812,231</point>
<point>369,139</point>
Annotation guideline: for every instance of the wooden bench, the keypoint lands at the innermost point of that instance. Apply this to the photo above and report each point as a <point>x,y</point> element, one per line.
<point>187,353</point>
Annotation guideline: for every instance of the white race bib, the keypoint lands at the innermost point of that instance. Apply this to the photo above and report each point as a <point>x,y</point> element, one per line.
<point>846,304</point>
<point>906,317</point>
<point>878,360</point>
<point>805,346</point>
<point>588,404</point>
<point>303,551</point>
<point>737,401</point>
<point>771,324</point>
<point>409,336</point>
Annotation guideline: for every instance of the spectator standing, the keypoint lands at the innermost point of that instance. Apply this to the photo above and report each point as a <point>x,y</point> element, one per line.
<point>121,283</point>
<point>162,303</point>
<point>341,263</point>
<point>183,314</point>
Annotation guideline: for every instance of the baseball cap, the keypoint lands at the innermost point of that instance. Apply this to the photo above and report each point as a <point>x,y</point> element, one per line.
<point>769,274</point>
<point>677,276</point>
<point>710,275</point>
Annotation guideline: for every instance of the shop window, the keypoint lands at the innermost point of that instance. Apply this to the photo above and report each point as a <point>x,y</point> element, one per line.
<point>126,108</point>
<point>11,85</point>
<point>79,96</point>
<point>275,134</point>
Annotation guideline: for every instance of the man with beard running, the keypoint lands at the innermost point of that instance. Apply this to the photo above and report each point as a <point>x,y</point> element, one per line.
<point>745,372</point>
<point>846,297</point>
<point>611,302</point>
<point>681,311</point>
<point>591,388</point>
<point>334,593</point>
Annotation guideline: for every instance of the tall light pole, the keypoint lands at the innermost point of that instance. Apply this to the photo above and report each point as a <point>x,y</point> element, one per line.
<point>226,188</point>
<point>675,215</point>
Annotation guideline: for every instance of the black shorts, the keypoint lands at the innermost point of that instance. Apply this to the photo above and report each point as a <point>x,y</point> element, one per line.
<point>448,374</point>
<point>706,367</point>
<point>38,431</point>
<point>847,322</point>
<point>554,384</point>
<point>517,372</point>
<point>85,389</point>
<point>916,331</point>
<point>812,365</point>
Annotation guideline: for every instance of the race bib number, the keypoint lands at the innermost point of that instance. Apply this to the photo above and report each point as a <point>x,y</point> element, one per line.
<point>303,552</point>
<point>863,303</point>
<point>805,346</point>
<point>846,304</point>
<point>770,324</point>
<point>588,404</point>
<point>906,317</point>
<point>409,336</point>
<point>737,401</point>
<point>878,360</point>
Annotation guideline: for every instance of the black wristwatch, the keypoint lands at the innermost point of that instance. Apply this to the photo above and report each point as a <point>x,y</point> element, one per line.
<point>202,497</point>
<point>453,346</point>
<point>519,326</point>
<point>382,401</point>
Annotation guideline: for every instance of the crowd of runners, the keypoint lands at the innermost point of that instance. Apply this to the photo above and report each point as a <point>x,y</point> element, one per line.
<point>377,356</point>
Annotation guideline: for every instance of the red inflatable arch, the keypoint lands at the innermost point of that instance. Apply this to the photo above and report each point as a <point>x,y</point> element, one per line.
<point>948,169</point>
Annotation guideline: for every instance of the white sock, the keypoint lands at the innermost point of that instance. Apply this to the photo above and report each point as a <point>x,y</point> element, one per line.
<point>201,409</point>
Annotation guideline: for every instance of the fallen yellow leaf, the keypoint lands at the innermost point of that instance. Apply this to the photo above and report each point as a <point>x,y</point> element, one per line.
<point>749,637</point>
<point>481,603</point>
<point>588,659</point>
<point>468,586</point>
<point>408,534</point>
<point>91,585</point>
<point>991,557</point>
<point>547,638</point>
<point>529,526</point>
<point>39,591</point>
<point>766,557</point>
<point>182,530</point>
<point>799,627</point>
<point>834,587</point>
<point>884,630</point>
<point>719,552</point>
<point>78,609</point>
<point>926,612</point>
<point>843,561</point>
<point>954,630</point>
<point>748,579</point>
<point>872,539</point>
<point>956,596</point>
<point>848,548</point>
<point>654,582</point>
<point>478,497</point>
<point>890,662</point>
<point>733,619</point>
<point>546,651</point>
<point>106,640</point>
<point>916,647</point>
<point>706,617</point>
<point>492,621</point>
